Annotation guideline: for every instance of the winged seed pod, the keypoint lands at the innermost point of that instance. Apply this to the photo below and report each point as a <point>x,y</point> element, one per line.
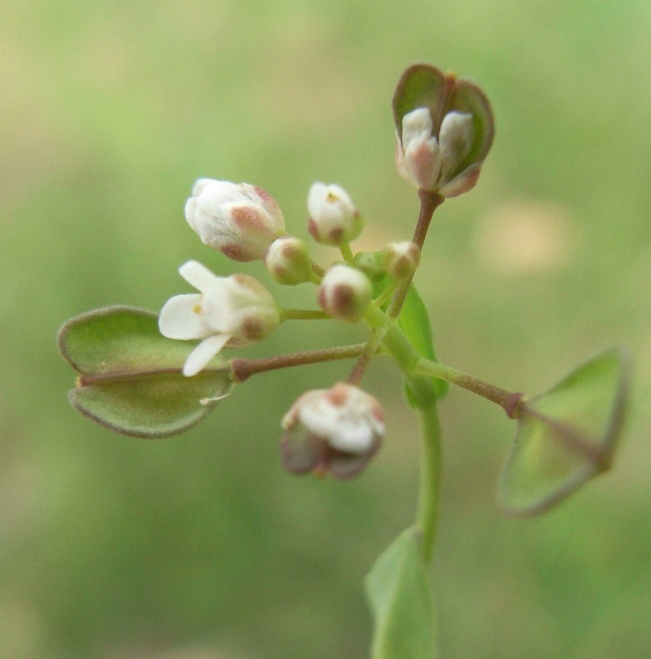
<point>444,130</point>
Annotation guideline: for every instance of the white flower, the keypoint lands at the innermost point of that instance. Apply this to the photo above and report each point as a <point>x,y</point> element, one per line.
<point>241,221</point>
<point>336,430</point>
<point>430,163</point>
<point>334,219</point>
<point>345,292</point>
<point>227,312</point>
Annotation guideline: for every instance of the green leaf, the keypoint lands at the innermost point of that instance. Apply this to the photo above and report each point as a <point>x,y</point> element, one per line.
<point>401,600</point>
<point>414,322</point>
<point>566,436</point>
<point>130,375</point>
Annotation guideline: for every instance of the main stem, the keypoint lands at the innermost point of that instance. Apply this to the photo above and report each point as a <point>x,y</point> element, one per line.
<point>423,397</point>
<point>430,478</point>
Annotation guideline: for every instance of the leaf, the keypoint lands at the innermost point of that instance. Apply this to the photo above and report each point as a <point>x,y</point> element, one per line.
<point>414,322</point>
<point>566,436</point>
<point>401,600</point>
<point>130,375</point>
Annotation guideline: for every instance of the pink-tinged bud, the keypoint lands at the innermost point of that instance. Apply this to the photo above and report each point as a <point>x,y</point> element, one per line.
<point>427,162</point>
<point>334,219</point>
<point>418,156</point>
<point>228,312</point>
<point>401,260</point>
<point>239,220</point>
<point>332,431</point>
<point>288,261</point>
<point>345,293</point>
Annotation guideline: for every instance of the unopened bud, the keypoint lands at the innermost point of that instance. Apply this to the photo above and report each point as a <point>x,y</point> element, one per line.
<point>401,260</point>
<point>334,219</point>
<point>241,221</point>
<point>288,261</point>
<point>345,293</point>
<point>418,157</point>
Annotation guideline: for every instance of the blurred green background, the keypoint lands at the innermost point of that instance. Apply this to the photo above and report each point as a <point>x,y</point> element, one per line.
<point>200,546</point>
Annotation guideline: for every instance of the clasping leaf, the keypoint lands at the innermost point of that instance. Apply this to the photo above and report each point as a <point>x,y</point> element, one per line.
<point>400,596</point>
<point>565,436</point>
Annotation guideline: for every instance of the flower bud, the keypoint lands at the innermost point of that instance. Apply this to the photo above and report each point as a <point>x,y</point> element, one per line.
<point>288,261</point>
<point>240,221</point>
<point>345,293</point>
<point>336,431</point>
<point>418,156</point>
<point>227,312</point>
<point>428,163</point>
<point>334,220</point>
<point>401,260</point>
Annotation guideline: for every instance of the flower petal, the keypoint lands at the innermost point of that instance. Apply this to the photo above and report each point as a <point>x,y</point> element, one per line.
<point>416,126</point>
<point>354,435</point>
<point>211,194</point>
<point>198,275</point>
<point>455,141</point>
<point>181,318</point>
<point>203,353</point>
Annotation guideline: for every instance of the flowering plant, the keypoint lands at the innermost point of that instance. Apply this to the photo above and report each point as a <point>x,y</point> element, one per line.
<point>139,375</point>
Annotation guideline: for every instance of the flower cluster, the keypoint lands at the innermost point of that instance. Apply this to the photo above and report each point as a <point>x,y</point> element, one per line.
<point>444,130</point>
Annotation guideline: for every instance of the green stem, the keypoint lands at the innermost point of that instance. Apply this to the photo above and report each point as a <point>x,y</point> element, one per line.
<point>423,397</point>
<point>385,295</point>
<point>317,272</point>
<point>430,478</point>
<point>305,314</point>
<point>346,252</point>
<point>509,401</point>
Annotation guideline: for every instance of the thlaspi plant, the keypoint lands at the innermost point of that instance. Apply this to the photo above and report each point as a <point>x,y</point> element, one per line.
<point>145,375</point>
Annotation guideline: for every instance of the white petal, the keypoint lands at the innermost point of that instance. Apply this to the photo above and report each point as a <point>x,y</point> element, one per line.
<point>203,353</point>
<point>198,275</point>
<point>190,208</point>
<point>455,140</point>
<point>316,198</point>
<point>215,193</point>
<point>416,125</point>
<point>319,416</point>
<point>180,318</point>
<point>352,436</point>
<point>200,184</point>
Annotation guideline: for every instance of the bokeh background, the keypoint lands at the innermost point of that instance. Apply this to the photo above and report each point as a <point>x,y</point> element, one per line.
<point>200,546</point>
